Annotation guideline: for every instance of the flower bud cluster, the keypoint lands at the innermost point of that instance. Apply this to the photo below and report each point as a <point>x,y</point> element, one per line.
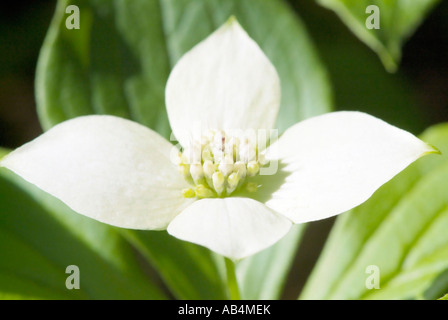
<point>220,164</point>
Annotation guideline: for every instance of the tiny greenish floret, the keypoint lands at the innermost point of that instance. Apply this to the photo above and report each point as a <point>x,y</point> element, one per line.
<point>220,164</point>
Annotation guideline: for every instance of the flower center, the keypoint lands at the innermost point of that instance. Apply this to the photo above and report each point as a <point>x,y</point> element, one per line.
<point>220,164</point>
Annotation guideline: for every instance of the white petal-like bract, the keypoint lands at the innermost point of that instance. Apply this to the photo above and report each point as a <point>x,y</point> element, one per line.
<point>334,162</point>
<point>107,168</point>
<point>225,82</point>
<point>233,227</point>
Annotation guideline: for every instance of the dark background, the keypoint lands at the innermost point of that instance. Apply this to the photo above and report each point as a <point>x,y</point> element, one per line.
<point>413,98</point>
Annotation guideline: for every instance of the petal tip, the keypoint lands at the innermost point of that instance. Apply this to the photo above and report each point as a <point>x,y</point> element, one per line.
<point>432,150</point>
<point>231,21</point>
<point>232,25</point>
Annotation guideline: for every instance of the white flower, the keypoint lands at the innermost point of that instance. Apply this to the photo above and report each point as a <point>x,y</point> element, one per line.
<point>119,172</point>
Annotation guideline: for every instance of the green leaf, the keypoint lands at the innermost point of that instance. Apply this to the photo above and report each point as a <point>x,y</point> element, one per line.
<point>118,63</point>
<point>187,269</point>
<point>262,276</point>
<point>3,152</point>
<point>445,297</point>
<point>359,80</point>
<point>398,19</point>
<point>401,230</point>
<point>40,237</point>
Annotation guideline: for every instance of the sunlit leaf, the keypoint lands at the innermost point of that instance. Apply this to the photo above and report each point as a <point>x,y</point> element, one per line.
<point>445,297</point>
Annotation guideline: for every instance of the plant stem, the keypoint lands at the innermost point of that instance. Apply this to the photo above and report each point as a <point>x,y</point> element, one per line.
<point>232,282</point>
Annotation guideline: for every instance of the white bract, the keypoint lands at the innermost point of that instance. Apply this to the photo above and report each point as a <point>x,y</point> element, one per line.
<point>212,193</point>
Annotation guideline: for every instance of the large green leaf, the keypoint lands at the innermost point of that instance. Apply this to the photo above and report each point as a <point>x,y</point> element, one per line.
<point>398,21</point>
<point>401,230</point>
<point>40,237</point>
<point>3,152</point>
<point>263,276</point>
<point>188,270</point>
<point>445,297</point>
<point>118,63</point>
